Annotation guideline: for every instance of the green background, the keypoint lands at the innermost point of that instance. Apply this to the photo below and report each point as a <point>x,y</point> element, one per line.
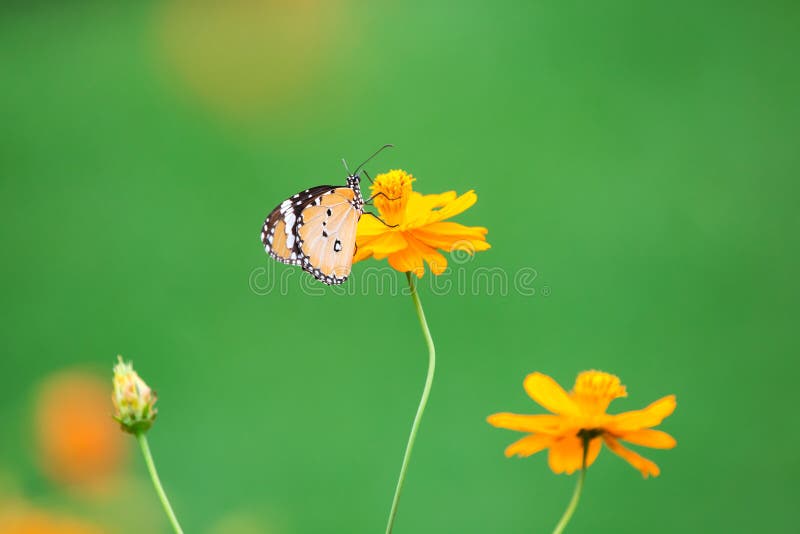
<point>640,156</point>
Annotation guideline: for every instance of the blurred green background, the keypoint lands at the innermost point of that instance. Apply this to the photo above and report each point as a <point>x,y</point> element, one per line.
<point>641,157</point>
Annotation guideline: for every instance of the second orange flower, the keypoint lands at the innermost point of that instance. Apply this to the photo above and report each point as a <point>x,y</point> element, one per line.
<point>580,418</point>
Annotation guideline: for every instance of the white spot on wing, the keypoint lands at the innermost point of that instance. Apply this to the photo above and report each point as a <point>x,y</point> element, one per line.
<point>289,218</point>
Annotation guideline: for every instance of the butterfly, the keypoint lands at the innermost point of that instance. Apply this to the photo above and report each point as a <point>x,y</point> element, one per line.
<point>316,228</point>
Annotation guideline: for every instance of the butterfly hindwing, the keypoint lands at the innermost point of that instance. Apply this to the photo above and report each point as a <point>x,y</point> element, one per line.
<point>327,235</point>
<point>316,230</point>
<point>279,232</point>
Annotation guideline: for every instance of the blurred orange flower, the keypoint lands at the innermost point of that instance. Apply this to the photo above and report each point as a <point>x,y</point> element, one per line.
<point>580,416</point>
<point>22,519</point>
<point>416,226</point>
<point>79,443</point>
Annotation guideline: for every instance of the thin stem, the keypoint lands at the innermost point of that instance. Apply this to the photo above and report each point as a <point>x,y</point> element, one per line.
<point>151,467</point>
<point>576,495</point>
<point>422,402</point>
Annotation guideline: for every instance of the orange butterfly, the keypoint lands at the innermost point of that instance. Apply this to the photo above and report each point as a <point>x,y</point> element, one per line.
<point>316,228</point>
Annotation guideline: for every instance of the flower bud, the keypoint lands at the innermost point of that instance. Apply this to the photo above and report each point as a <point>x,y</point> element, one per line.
<point>133,399</point>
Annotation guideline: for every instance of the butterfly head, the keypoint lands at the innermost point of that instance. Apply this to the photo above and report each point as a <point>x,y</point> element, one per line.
<point>353,178</point>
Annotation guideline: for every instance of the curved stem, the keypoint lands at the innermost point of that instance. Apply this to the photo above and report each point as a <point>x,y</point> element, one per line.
<point>422,402</point>
<point>576,495</point>
<point>151,467</point>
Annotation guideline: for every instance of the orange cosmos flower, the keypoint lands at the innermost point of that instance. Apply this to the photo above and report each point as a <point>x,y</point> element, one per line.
<point>581,415</point>
<point>18,518</point>
<point>78,447</point>
<point>417,226</point>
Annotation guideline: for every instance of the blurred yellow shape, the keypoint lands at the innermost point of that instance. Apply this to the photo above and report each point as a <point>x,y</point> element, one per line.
<point>245,57</point>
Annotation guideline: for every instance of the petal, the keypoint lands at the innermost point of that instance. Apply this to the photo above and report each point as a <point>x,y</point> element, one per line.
<point>525,423</point>
<point>451,236</point>
<point>646,418</point>
<point>362,253</point>
<point>407,261</point>
<point>417,216</point>
<point>418,251</point>
<point>529,445</point>
<point>435,261</point>
<point>645,466</point>
<point>420,205</point>
<point>370,226</point>
<point>549,394</point>
<point>594,450</point>
<point>385,244</point>
<point>459,205</point>
<point>566,454</point>
<point>654,439</point>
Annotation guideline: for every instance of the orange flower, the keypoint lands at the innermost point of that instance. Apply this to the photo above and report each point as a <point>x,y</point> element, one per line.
<point>22,519</point>
<point>416,226</point>
<point>580,416</point>
<point>78,443</point>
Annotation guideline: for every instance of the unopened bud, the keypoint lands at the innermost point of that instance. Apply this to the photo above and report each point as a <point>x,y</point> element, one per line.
<point>133,399</point>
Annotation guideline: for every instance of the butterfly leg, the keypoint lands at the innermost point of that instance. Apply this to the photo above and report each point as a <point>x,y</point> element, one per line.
<point>381,220</point>
<point>379,194</point>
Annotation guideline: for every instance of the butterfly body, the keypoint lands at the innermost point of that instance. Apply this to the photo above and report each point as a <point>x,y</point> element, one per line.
<point>316,230</point>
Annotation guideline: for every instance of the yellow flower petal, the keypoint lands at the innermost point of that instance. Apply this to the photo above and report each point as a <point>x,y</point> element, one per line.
<point>384,244</point>
<point>460,204</point>
<point>451,236</point>
<point>406,261</point>
<point>415,253</point>
<point>362,254</point>
<point>566,454</point>
<point>546,391</point>
<point>646,418</point>
<point>370,226</point>
<point>645,466</point>
<point>655,439</point>
<point>529,445</point>
<point>525,423</point>
<point>419,205</point>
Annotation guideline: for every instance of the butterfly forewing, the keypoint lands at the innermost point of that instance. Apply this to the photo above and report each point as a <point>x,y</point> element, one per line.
<point>327,234</point>
<point>316,229</point>
<point>279,233</point>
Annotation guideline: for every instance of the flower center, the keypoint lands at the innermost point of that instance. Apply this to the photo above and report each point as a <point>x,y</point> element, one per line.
<point>391,191</point>
<point>594,391</point>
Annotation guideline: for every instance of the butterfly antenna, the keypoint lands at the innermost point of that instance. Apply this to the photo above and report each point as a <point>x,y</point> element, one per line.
<point>372,156</point>
<point>346,167</point>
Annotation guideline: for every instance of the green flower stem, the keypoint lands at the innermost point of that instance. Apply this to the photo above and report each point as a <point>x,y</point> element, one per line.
<point>422,402</point>
<point>576,495</point>
<point>151,467</point>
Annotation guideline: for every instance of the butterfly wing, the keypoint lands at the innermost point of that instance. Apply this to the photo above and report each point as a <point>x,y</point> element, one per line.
<point>327,235</point>
<point>279,232</point>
